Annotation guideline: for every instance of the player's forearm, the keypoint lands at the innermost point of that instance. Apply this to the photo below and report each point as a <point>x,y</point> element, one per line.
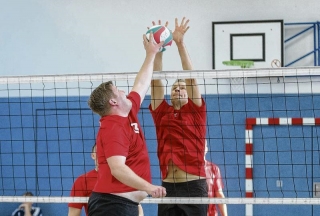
<point>157,66</point>
<point>192,87</point>
<point>125,175</point>
<point>143,78</point>
<point>158,62</point>
<point>145,72</point>
<point>185,58</point>
<point>223,209</point>
<point>157,88</point>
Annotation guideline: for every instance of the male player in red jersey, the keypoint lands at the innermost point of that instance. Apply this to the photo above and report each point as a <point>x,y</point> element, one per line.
<point>181,132</point>
<point>83,187</point>
<point>124,173</point>
<point>215,187</point>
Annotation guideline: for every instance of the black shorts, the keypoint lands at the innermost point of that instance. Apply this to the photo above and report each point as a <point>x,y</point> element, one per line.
<point>196,188</point>
<point>104,204</point>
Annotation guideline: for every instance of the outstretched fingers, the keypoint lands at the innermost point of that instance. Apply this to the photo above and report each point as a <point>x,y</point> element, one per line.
<point>186,29</point>
<point>182,21</point>
<point>176,22</point>
<point>160,23</point>
<point>184,24</point>
<point>150,45</point>
<point>150,36</point>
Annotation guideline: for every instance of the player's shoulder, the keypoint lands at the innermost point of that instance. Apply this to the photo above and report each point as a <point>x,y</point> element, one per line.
<point>193,105</point>
<point>164,105</point>
<point>87,173</point>
<point>81,178</point>
<point>91,173</point>
<point>110,123</point>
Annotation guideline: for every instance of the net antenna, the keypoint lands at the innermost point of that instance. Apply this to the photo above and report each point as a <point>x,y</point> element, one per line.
<point>237,83</point>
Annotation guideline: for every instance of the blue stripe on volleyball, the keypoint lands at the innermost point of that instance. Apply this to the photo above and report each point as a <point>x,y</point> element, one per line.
<point>168,40</point>
<point>158,34</point>
<point>155,29</point>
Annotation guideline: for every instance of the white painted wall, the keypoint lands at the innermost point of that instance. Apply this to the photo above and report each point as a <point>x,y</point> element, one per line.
<point>89,36</point>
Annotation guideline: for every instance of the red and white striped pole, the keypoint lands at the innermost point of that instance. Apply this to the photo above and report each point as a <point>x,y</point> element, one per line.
<point>250,123</point>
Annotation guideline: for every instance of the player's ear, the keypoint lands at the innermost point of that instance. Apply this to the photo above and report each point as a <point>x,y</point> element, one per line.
<point>112,102</point>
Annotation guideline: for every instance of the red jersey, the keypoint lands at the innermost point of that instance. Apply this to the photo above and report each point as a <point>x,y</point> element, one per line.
<point>83,187</point>
<point>181,136</point>
<point>121,136</point>
<point>214,182</point>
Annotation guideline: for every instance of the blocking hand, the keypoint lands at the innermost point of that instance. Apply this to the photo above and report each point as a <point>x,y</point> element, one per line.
<point>180,30</point>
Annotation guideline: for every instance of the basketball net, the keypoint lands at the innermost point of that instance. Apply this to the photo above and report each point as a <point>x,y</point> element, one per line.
<point>237,83</point>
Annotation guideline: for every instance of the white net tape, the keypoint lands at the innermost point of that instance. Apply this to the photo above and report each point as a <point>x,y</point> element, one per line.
<point>197,74</point>
<point>167,200</point>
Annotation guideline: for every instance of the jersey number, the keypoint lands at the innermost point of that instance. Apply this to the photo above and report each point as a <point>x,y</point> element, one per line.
<point>135,127</point>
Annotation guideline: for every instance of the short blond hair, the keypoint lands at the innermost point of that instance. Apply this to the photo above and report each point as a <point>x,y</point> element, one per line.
<point>99,98</point>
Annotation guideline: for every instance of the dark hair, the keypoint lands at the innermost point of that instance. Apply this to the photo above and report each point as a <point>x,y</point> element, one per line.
<point>27,194</point>
<point>92,150</point>
<point>178,81</point>
<point>99,98</point>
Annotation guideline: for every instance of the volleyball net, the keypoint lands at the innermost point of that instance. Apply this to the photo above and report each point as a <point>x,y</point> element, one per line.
<point>262,132</point>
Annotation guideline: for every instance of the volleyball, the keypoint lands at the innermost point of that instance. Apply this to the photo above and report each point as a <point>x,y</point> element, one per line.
<point>161,33</point>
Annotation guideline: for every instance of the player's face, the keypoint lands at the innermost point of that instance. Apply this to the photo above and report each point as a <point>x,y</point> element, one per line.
<point>122,99</point>
<point>179,93</point>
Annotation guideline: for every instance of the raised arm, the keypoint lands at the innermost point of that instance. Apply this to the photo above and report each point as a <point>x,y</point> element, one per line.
<point>157,87</point>
<point>178,37</point>
<point>143,78</point>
